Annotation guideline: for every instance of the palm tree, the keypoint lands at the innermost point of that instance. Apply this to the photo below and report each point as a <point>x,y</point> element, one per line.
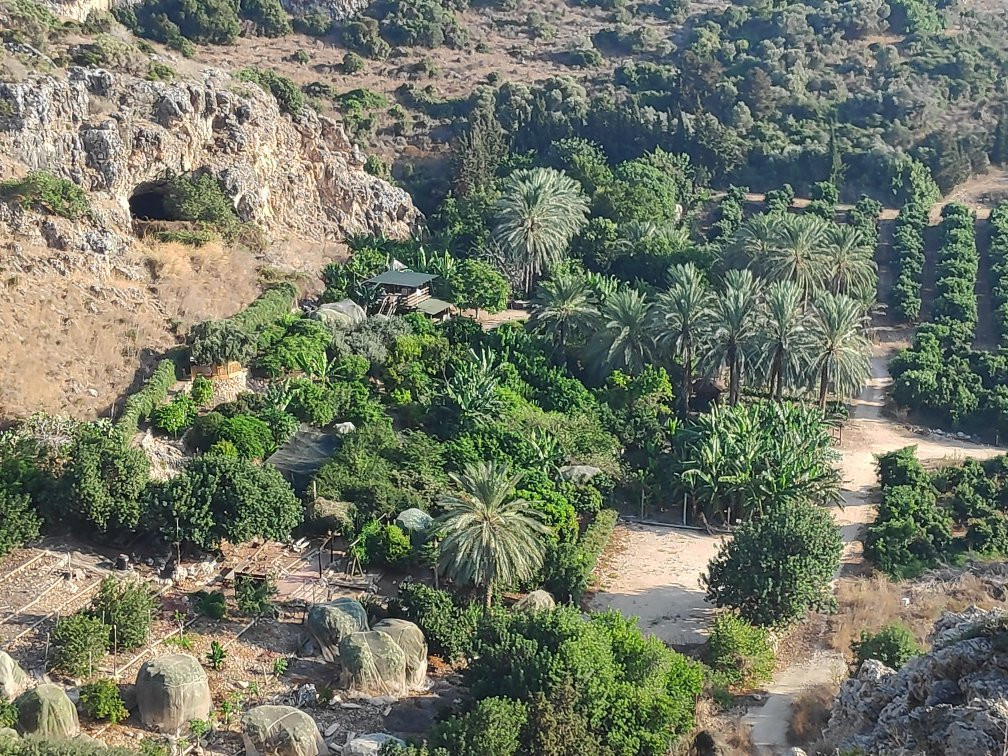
<point>799,254</point>
<point>487,539</point>
<point>622,338</point>
<point>680,323</point>
<point>781,330</point>
<point>563,309</point>
<point>732,327</point>
<point>850,264</point>
<point>837,347</point>
<point>538,213</point>
<point>756,239</point>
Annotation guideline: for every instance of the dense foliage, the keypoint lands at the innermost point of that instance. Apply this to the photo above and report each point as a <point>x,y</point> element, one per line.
<point>46,193</point>
<point>739,651</point>
<point>893,645</point>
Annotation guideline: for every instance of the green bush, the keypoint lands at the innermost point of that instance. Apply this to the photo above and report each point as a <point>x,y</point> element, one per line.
<point>448,628</point>
<point>78,644</point>
<point>199,198</point>
<point>212,604</point>
<point>910,534</point>
<point>158,71</point>
<point>423,22</point>
<point>176,415</point>
<point>568,568</point>
<point>739,651</point>
<point>102,702</point>
<point>253,594</point>
<point>217,342</point>
<point>8,714</point>
<point>287,94</point>
<point>494,728</point>
<point>126,607</point>
<point>19,522</point>
<point>46,193</point>
<point>274,304</point>
<point>893,645</point>
<point>179,22</point>
<point>140,405</point>
<point>268,16</point>
<point>352,63</point>
<point>313,23</point>
<point>252,438</point>
<point>201,391</point>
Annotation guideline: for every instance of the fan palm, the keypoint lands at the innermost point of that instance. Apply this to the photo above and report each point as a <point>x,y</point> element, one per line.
<point>799,254</point>
<point>622,338</point>
<point>837,347</point>
<point>780,341</point>
<point>680,322</point>
<point>732,327</point>
<point>538,213</point>
<point>562,310</point>
<point>850,265</point>
<point>487,539</point>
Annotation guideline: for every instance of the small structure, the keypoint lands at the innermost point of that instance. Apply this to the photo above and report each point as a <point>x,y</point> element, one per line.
<point>399,291</point>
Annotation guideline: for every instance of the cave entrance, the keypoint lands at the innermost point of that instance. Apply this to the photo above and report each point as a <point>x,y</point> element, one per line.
<point>147,203</point>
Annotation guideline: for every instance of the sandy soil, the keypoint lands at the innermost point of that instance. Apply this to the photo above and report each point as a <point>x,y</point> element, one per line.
<point>655,574</point>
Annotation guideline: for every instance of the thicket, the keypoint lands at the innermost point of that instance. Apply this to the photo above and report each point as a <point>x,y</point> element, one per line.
<point>956,269</point>
<point>46,193</point>
<point>920,193</point>
<point>739,652</point>
<point>893,645</point>
<point>568,568</point>
<point>139,406</point>
<point>102,701</point>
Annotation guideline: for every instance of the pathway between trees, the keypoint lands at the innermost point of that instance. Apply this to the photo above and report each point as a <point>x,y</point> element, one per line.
<point>654,571</point>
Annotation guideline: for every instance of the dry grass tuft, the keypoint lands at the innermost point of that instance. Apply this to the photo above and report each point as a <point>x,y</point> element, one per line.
<point>809,714</point>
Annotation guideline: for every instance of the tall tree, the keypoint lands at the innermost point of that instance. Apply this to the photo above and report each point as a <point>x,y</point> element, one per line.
<point>563,309</point>
<point>680,323</point>
<point>732,327</point>
<point>799,254</point>
<point>780,335</point>
<point>850,264</point>
<point>837,347</point>
<point>622,339</point>
<point>538,213</point>
<point>486,538</point>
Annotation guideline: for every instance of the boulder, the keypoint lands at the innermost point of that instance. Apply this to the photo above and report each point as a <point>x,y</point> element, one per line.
<point>13,680</point>
<point>370,745</point>
<point>416,524</point>
<point>172,690</point>
<point>579,474</point>
<point>330,623</point>
<point>281,731</point>
<point>536,601</point>
<point>410,639</point>
<point>48,712</point>
<point>373,663</point>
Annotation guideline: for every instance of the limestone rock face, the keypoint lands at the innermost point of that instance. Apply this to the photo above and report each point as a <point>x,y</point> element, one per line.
<point>48,712</point>
<point>330,623</point>
<point>410,638</point>
<point>13,680</point>
<point>281,731</point>
<point>171,691</point>
<point>337,10</point>
<point>952,700</point>
<point>373,663</point>
<point>294,175</point>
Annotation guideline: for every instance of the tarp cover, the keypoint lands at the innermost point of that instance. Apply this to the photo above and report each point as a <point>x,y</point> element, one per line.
<point>535,602</point>
<point>342,315</point>
<point>373,663</point>
<point>304,453</point>
<point>48,712</point>
<point>410,639</point>
<point>172,690</point>
<point>13,680</point>
<point>330,623</point>
<point>281,731</point>
<point>417,524</point>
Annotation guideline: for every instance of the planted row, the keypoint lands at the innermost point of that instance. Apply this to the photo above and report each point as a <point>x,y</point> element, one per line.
<point>956,270</point>
<point>908,239</point>
<point>999,268</point>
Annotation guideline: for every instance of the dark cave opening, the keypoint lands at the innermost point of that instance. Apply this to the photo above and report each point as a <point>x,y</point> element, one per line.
<point>147,203</point>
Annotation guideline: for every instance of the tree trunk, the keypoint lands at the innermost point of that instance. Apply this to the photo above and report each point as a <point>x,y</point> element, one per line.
<point>684,388</point>
<point>823,383</point>
<point>733,376</point>
<point>488,596</point>
<point>777,376</point>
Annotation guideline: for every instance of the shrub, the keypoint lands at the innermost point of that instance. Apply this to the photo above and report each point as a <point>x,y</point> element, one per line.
<point>8,713</point>
<point>175,416</point>
<point>352,63</point>
<point>423,22</point>
<point>252,438</point>
<point>202,391</point>
<point>910,534</point>
<point>126,606</point>
<point>199,198</point>
<point>314,24</point>
<point>78,644</point>
<point>494,726</point>
<point>778,566</point>
<point>19,522</point>
<point>253,594</point>
<point>102,701</point>
<point>140,405</point>
<point>287,94</point>
<point>212,604</point>
<point>272,305</point>
<point>158,71</point>
<point>46,193</point>
<point>268,16</point>
<point>362,35</point>
<point>893,645</point>
<point>739,651</point>
<point>448,628</point>
<point>217,342</point>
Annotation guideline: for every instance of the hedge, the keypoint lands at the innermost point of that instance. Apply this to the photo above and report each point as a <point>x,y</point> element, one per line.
<point>956,269</point>
<point>568,567</point>
<point>140,405</point>
<point>999,269</point>
<point>267,308</point>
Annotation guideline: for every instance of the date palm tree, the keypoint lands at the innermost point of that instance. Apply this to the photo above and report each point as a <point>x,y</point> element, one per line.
<point>850,264</point>
<point>622,339</point>
<point>538,213</point>
<point>486,537</point>
<point>799,254</point>
<point>563,309</point>
<point>755,240</point>
<point>680,323</point>
<point>781,331</point>
<point>732,328</point>
<point>837,347</point>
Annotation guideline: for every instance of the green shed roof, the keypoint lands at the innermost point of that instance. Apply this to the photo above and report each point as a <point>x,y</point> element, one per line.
<point>434,306</point>
<point>407,278</point>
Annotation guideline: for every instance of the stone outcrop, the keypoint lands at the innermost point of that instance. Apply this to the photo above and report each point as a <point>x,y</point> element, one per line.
<point>47,711</point>
<point>115,134</point>
<point>951,700</point>
<point>171,691</point>
<point>281,731</point>
<point>13,679</point>
<point>330,623</point>
<point>337,10</point>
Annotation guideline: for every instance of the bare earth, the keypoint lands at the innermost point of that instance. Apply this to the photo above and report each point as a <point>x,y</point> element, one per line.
<point>656,574</point>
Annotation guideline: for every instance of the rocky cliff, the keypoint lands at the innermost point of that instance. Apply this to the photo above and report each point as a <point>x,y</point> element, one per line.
<point>117,135</point>
<point>952,700</point>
